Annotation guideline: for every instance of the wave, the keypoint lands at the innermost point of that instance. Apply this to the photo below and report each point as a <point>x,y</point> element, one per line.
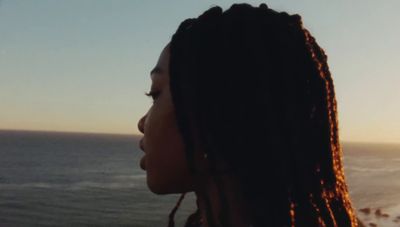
<point>130,177</point>
<point>82,185</point>
<point>90,185</point>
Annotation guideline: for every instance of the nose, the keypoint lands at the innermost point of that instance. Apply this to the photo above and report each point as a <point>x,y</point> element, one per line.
<point>141,124</point>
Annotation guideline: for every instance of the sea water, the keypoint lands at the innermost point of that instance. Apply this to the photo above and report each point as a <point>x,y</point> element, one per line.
<point>72,179</point>
<point>373,176</point>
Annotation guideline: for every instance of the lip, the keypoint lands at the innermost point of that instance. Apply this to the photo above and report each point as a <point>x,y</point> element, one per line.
<point>143,159</point>
<point>143,163</point>
<point>141,145</point>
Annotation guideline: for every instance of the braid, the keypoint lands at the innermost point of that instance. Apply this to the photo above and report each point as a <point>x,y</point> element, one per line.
<point>340,185</point>
<point>171,216</point>
<point>270,68</point>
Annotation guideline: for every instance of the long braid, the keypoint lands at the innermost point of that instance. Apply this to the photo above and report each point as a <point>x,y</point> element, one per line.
<point>334,137</point>
<point>171,216</point>
<point>308,174</point>
<point>187,24</point>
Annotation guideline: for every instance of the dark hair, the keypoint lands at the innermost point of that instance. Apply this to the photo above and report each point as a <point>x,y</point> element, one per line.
<point>253,86</point>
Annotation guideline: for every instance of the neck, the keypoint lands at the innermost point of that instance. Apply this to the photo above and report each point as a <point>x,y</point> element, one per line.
<point>232,205</point>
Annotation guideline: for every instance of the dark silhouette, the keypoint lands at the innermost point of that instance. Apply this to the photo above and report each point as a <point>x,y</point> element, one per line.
<point>252,87</point>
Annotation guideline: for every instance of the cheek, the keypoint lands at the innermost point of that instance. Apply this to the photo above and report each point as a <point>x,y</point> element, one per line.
<point>166,164</point>
<point>159,129</point>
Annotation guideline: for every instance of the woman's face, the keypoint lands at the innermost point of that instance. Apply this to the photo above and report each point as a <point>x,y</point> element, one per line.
<point>164,159</point>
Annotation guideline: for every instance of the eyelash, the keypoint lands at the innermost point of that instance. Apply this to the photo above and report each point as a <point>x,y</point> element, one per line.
<point>153,94</point>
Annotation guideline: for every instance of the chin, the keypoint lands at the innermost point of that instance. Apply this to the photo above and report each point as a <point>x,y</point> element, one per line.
<point>163,189</point>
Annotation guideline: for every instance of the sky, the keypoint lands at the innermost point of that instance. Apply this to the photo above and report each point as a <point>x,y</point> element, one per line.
<point>83,66</point>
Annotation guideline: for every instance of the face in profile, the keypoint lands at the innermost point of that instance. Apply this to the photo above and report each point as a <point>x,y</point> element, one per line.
<point>164,160</point>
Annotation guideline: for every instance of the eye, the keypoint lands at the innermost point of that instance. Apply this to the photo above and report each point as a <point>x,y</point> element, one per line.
<point>153,94</point>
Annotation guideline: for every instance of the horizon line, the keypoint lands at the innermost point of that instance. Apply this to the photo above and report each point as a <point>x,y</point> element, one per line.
<point>138,135</point>
<point>66,132</point>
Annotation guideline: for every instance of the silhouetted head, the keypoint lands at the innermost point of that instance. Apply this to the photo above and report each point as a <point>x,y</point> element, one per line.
<point>250,89</point>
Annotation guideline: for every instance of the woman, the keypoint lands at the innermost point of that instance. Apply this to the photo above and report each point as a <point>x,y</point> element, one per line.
<point>244,115</point>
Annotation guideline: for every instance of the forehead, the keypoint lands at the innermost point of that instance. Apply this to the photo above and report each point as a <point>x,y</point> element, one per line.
<point>160,71</point>
<point>156,72</point>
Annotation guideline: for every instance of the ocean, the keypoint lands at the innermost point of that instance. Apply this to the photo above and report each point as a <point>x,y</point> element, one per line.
<point>78,179</point>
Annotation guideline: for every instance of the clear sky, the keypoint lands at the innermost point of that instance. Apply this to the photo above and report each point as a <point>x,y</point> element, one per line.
<point>84,65</point>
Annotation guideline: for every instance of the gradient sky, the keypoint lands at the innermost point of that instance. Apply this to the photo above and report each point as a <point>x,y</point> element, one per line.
<point>84,65</point>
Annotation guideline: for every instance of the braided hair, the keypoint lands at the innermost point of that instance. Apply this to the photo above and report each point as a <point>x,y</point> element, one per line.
<point>253,86</point>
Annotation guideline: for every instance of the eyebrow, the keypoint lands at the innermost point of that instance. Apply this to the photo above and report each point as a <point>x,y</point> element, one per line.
<point>157,70</point>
